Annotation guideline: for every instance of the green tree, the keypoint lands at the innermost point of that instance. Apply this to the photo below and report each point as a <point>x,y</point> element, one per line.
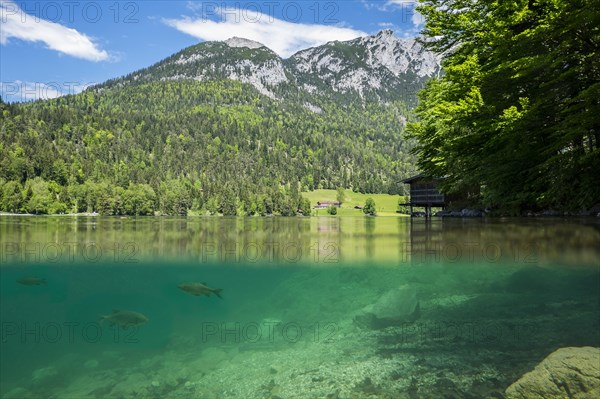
<point>341,195</point>
<point>305,207</point>
<point>106,203</point>
<point>268,207</point>
<point>176,197</point>
<point>139,199</point>
<point>39,197</point>
<point>212,205</point>
<point>11,197</point>
<point>404,209</point>
<point>369,208</point>
<point>514,112</point>
<point>332,210</point>
<point>59,172</point>
<point>229,203</point>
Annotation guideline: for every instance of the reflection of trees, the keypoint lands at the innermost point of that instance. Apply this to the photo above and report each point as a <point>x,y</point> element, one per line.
<point>525,242</point>
<point>425,237</point>
<point>370,237</point>
<point>514,241</point>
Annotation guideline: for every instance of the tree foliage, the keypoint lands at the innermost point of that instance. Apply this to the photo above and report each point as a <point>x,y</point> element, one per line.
<point>369,208</point>
<point>516,111</point>
<point>340,195</point>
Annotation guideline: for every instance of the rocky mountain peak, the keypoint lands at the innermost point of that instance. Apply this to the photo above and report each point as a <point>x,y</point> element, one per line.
<point>241,42</point>
<point>374,68</point>
<point>400,55</point>
<point>377,66</point>
<point>385,33</point>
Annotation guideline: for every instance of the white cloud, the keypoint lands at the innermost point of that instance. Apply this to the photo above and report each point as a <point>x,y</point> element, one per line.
<point>285,38</point>
<point>417,19</point>
<point>19,91</point>
<point>408,6</point>
<point>370,5</point>
<point>20,25</point>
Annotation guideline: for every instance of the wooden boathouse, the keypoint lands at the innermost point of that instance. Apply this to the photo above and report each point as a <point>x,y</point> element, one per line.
<point>424,192</point>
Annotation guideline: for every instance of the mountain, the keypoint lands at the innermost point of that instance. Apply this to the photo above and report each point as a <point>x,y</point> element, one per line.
<point>381,67</point>
<point>220,127</point>
<point>236,59</point>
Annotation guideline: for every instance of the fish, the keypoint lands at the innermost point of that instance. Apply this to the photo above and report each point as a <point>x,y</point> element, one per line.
<point>124,318</point>
<point>200,289</point>
<point>31,281</point>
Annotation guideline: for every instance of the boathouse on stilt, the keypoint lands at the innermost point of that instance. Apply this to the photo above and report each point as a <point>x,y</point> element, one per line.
<point>424,192</point>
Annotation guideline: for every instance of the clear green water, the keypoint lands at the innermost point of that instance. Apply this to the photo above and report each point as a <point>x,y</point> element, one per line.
<point>494,298</point>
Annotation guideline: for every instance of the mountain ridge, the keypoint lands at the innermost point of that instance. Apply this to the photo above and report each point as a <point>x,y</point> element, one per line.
<point>380,67</point>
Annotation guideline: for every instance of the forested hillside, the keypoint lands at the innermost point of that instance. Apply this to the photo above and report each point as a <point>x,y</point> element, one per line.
<point>222,128</point>
<point>175,146</point>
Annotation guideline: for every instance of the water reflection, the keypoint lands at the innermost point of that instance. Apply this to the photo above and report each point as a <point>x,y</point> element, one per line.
<point>317,240</point>
<point>506,241</point>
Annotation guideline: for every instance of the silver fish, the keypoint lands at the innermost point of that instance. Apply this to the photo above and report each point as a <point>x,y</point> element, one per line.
<point>200,289</point>
<point>124,318</point>
<point>31,281</point>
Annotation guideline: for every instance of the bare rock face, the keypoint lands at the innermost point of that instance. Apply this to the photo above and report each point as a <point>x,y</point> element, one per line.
<point>241,42</point>
<point>572,373</point>
<point>395,307</point>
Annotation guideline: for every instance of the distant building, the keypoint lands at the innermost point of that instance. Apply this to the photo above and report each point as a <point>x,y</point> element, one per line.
<point>327,204</point>
<point>425,193</point>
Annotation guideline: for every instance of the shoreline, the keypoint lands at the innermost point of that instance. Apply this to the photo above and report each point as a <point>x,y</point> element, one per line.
<point>447,214</point>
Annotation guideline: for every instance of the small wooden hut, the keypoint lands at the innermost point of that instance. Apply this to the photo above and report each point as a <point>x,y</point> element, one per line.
<point>424,192</point>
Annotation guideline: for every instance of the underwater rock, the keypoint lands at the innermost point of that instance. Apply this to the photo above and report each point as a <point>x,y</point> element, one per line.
<point>534,279</point>
<point>210,358</point>
<point>44,375</point>
<point>130,381</point>
<point>18,393</point>
<point>91,364</point>
<point>397,306</point>
<point>566,373</point>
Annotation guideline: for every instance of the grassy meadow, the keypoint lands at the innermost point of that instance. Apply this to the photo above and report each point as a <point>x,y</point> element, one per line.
<point>386,204</point>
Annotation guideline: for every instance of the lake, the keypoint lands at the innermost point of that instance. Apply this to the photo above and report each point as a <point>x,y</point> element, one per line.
<point>321,307</point>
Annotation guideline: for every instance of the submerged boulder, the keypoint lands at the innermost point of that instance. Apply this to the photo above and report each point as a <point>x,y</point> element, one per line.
<point>397,306</point>
<point>572,373</point>
<point>44,375</point>
<point>18,393</point>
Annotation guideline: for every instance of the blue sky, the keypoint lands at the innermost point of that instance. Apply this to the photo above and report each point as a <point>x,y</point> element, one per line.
<point>50,48</point>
